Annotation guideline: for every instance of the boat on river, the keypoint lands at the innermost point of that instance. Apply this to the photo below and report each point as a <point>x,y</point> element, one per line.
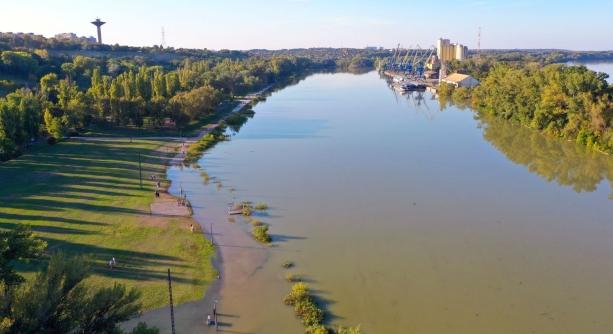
<point>408,86</point>
<point>235,209</point>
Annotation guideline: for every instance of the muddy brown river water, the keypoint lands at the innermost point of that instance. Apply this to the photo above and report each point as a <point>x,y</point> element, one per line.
<point>405,218</point>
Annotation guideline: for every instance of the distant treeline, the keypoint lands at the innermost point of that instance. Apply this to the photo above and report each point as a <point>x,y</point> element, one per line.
<point>548,55</point>
<point>479,65</point>
<point>342,58</point>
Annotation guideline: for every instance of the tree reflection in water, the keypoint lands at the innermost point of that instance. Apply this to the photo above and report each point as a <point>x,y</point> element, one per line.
<point>564,162</point>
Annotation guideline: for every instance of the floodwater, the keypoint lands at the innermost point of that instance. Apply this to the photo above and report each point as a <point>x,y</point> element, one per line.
<point>405,218</point>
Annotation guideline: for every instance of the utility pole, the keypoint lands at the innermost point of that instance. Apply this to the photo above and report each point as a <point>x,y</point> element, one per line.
<point>479,43</point>
<point>140,171</point>
<point>215,315</point>
<point>172,309</point>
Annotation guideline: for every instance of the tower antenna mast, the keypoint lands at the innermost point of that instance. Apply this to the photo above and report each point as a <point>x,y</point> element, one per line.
<point>98,24</point>
<point>163,44</point>
<point>479,43</point>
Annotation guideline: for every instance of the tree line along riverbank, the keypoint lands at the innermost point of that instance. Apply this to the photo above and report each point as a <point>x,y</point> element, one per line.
<point>571,102</point>
<point>88,201</point>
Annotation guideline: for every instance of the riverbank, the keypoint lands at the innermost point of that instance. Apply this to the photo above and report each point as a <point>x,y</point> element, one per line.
<point>237,258</point>
<point>86,198</point>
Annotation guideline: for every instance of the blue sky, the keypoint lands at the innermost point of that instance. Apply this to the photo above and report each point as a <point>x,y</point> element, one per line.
<point>273,24</point>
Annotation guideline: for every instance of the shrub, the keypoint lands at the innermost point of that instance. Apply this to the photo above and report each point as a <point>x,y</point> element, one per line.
<point>299,291</point>
<point>310,314</point>
<point>205,177</point>
<point>247,209</point>
<point>51,141</point>
<point>260,233</point>
<point>318,329</point>
<point>195,150</point>
<point>349,330</point>
<point>287,264</point>
<point>261,206</point>
<point>142,328</point>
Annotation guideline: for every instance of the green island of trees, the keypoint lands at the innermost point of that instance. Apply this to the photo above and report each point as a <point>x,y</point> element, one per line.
<point>571,102</point>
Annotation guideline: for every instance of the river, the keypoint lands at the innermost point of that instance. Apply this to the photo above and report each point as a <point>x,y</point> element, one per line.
<point>405,217</point>
<point>599,66</point>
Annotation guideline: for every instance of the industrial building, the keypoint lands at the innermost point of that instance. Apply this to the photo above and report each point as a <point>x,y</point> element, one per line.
<point>461,80</point>
<point>446,51</point>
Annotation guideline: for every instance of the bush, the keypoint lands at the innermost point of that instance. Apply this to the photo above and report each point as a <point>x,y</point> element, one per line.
<point>349,330</point>
<point>261,206</point>
<point>247,211</point>
<point>209,140</point>
<point>299,291</point>
<point>318,329</point>
<point>260,233</point>
<point>287,264</point>
<point>308,312</point>
<point>142,328</point>
<point>51,141</point>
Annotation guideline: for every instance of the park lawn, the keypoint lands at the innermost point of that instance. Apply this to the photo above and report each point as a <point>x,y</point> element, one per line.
<point>84,197</point>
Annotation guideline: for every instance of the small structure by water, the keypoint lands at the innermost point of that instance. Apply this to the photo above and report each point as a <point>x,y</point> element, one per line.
<point>461,80</point>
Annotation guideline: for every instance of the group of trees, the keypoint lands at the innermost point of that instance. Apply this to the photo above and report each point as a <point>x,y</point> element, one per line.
<point>58,299</point>
<point>46,92</point>
<point>84,92</point>
<point>568,101</point>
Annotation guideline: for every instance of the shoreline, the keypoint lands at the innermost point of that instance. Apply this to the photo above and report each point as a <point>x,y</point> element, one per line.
<point>237,255</point>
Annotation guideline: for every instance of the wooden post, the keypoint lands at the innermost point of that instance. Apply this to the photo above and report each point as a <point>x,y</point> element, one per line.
<point>140,171</point>
<point>172,310</point>
<point>215,315</point>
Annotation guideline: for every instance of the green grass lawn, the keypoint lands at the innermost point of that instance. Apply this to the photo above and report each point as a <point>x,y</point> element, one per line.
<point>85,198</point>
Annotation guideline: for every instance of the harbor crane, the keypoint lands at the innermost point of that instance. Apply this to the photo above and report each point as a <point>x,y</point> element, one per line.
<point>410,61</point>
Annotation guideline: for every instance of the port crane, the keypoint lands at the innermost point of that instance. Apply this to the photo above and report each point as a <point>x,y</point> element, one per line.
<point>410,61</point>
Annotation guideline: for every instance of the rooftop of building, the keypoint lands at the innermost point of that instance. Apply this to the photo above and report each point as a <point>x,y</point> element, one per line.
<point>457,77</point>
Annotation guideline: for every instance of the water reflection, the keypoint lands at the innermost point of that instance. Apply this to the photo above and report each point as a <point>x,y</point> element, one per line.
<point>565,163</point>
